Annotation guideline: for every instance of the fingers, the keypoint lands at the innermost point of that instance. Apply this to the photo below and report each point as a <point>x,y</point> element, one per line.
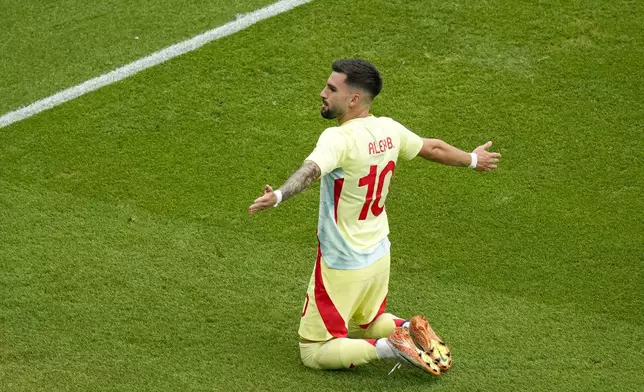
<point>488,158</point>
<point>259,205</point>
<point>259,199</point>
<point>487,167</point>
<point>267,190</point>
<point>265,199</point>
<point>263,202</point>
<point>483,148</point>
<point>488,161</point>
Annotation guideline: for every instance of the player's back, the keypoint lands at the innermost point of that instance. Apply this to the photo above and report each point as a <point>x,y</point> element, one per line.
<point>358,160</point>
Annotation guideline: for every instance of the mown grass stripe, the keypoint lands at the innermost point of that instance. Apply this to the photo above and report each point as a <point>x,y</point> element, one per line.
<point>151,60</point>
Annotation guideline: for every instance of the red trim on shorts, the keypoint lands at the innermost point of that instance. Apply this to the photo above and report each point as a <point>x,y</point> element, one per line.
<point>380,311</point>
<point>399,322</point>
<point>371,341</point>
<point>337,190</point>
<point>329,313</point>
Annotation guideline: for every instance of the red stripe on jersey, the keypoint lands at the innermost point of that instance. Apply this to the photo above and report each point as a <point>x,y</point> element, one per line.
<point>306,304</point>
<point>337,190</point>
<point>371,341</point>
<point>329,313</point>
<point>380,311</point>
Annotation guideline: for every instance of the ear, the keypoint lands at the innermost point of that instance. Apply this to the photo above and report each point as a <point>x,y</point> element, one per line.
<point>356,99</point>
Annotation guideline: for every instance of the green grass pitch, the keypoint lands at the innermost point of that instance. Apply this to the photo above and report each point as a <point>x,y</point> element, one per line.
<point>128,261</point>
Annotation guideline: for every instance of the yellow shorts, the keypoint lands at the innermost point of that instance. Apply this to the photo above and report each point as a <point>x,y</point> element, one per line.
<point>338,301</point>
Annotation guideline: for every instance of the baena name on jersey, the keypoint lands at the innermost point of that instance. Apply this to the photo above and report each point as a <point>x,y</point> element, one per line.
<point>380,146</point>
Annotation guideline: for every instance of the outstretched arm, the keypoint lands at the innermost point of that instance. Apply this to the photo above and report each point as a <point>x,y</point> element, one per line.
<point>298,182</point>
<point>438,151</point>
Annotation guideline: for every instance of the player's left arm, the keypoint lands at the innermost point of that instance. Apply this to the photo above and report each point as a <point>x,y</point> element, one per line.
<point>297,183</point>
<point>438,151</point>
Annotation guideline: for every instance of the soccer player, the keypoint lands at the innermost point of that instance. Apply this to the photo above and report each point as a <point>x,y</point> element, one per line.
<point>344,323</point>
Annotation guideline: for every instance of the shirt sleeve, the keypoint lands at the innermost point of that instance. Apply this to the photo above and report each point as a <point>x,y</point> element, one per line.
<point>410,143</point>
<point>329,151</point>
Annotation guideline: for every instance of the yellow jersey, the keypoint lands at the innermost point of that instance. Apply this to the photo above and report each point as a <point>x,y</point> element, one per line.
<point>357,160</point>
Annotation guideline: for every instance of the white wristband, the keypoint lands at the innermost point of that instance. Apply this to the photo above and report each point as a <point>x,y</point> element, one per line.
<point>474,162</point>
<point>278,193</point>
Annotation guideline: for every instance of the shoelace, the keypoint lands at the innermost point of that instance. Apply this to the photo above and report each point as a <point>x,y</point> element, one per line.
<point>396,366</point>
<point>399,363</point>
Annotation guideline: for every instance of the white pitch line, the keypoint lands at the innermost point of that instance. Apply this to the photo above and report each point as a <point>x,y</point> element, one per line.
<point>151,60</point>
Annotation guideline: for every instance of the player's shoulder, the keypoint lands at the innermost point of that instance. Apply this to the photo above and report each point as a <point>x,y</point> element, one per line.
<point>335,129</point>
<point>332,132</point>
<point>384,118</point>
<point>388,121</point>
<point>335,136</point>
<point>390,125</point>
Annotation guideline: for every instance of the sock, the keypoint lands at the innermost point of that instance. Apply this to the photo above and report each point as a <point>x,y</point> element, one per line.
<point>342,353</point>
<point>383,350</point>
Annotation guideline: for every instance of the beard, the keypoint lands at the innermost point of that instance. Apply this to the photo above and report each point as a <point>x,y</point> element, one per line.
<point>330,113</point>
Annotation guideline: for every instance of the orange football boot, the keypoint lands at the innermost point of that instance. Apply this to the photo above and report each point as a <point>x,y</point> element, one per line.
<point>426,339</point>
<point>401,343</point>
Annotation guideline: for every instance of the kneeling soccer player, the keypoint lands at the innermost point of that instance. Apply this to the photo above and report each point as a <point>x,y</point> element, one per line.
<point>344,323</point>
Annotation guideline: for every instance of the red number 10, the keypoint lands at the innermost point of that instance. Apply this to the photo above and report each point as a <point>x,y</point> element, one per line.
<point>370,182</point>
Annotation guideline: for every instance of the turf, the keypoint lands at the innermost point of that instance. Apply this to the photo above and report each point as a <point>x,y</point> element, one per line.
<point>129,262</point>
<point>46,46</point>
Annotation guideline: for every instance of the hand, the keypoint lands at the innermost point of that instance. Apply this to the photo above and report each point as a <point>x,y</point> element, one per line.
<point>487,161</point>
<point>267,200</point>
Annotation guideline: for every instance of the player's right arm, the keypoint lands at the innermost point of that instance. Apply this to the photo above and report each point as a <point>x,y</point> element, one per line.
<point>300,180</point>
<point>327,156</point>
<point>438,151</point>
<point>296,183</point>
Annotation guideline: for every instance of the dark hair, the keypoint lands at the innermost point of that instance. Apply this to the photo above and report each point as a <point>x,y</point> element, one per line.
<point>360,73</point>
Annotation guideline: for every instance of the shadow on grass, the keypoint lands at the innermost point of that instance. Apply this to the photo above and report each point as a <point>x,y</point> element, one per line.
<point>280,368</point>
<point>373,377</point>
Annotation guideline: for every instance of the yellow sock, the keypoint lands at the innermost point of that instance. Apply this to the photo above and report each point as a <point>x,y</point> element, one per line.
<point>342,353</point>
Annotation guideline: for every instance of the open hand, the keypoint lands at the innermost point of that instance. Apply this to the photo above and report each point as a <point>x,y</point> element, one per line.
<point>487,160</point>
<point>267,200</point>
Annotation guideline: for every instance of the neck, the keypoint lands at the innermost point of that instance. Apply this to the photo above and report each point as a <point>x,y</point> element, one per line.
<point>350,115</point>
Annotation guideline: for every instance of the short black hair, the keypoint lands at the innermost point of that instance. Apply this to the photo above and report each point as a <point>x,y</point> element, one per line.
<point>360,73</point>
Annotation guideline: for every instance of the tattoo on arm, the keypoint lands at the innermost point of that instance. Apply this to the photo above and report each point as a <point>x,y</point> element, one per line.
<point>300,180</point>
